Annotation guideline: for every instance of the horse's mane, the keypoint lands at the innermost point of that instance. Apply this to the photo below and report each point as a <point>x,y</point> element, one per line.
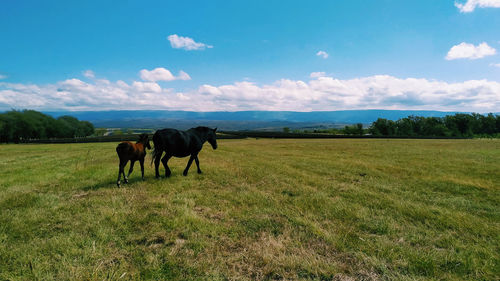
<point>202,129</point>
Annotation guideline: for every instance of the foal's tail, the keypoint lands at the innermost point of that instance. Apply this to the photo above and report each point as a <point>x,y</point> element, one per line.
<point>124,149</point>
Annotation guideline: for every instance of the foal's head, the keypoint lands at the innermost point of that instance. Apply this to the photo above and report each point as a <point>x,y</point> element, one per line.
<point>144,139</point>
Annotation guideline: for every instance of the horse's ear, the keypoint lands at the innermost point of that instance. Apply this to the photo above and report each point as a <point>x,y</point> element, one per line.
<point>215,129</point>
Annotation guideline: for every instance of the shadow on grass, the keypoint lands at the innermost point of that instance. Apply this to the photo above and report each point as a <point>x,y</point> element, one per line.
<point>112,184</point>
<point>107,184</point>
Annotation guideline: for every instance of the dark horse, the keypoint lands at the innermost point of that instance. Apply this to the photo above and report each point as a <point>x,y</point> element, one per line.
<point>133,152</point>
<point>181,144</point>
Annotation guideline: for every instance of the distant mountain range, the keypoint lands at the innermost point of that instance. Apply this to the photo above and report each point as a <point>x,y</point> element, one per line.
<point>240,120</point>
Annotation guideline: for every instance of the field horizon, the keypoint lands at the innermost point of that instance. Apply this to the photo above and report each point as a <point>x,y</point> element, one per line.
<point>263,209</point>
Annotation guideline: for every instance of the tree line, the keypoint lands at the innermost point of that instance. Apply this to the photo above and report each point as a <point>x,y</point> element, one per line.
<point>458,125</point>
<point>16,126</point>
<point>452,126</point>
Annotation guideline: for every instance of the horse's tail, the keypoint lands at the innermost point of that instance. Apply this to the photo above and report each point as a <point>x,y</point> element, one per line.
<point>155,154</point>
<point>157,149</point>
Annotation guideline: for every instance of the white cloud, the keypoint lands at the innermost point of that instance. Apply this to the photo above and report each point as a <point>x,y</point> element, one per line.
<point>471,5</point>
<point>186,43</point>
<point>3,76</point>
<point>89,74</point>
<point>495,64</point>
<point>183,76</point>
<point>157,74</point>
<point>469,51</point>
<point>319,93</point>
<point>317,74</point>
<point>322,54</point>
<point>162,74</point>
<point>146,87</point>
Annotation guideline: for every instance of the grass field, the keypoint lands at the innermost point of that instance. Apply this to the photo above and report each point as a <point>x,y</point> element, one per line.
<point>341,209</point>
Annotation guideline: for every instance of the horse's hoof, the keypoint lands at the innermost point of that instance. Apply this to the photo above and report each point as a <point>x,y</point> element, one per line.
<point>118,184</point>
<point>199,172</point>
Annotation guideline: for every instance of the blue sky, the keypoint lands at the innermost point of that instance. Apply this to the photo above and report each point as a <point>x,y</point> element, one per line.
<point>251,55</point>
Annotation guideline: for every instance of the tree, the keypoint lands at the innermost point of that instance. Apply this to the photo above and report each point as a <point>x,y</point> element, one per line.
<point>434,127</point>
<point>405,127</point>
<point>356,129</point>
<point>383,127</point>
<point>30,124</point>
<point>84,129</point>
<point>458,125</point>
<point>463,124</point>
<point>488,124</point>
<point>498,124</point>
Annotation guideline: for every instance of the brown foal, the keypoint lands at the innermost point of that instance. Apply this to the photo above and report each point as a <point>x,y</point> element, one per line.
<point>133,152</point>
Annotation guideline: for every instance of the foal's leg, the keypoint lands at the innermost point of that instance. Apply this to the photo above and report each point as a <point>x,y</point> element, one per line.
<point>197,163</point>
<point>119,173</point>
<point>132,162</point>
<point>188,165</point>
<point>141,161</point>
<point>164,160</point>
<point>121,168</point>
<point>125,178</point>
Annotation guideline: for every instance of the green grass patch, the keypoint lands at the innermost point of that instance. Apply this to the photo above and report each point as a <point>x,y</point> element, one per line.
<point>318,209</point>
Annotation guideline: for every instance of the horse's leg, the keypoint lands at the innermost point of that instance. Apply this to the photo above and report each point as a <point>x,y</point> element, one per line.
<point>188,165</point>
<point>197,163</point>
<point>164,160</point>
<point>132,162</point>
<point>157,166</point>
<point>141,161</point>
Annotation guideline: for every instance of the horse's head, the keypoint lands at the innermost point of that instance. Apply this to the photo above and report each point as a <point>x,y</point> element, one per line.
<point>144,139</point>
<point>212,138</point>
